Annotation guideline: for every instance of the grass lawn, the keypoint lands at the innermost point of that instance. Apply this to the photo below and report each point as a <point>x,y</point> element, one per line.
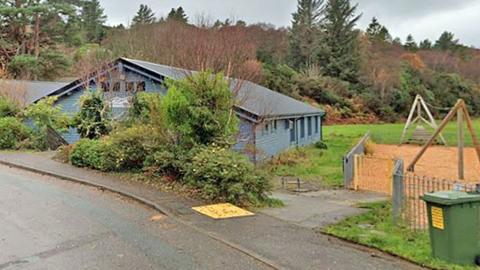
<point>325,166</point>
<point>321,166</point>
<point>390,133</point>
<point>375,229</point>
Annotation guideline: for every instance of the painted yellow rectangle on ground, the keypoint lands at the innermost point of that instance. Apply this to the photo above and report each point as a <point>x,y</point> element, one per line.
<point>437,218</point>
<point>222,211</point>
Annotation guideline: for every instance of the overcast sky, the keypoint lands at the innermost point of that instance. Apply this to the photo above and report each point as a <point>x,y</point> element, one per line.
<point>422,18</point>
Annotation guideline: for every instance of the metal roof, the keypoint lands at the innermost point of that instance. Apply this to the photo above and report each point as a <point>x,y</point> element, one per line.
<point>252,97</point>
<point>34,90</point>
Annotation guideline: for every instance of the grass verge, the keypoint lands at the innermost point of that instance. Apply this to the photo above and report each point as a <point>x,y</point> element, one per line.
<point>375,229</point>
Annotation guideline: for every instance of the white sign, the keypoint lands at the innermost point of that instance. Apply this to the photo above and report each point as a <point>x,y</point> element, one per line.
<point>120,102</point>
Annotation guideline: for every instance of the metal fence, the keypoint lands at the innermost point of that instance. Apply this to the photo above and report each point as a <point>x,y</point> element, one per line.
<point>349,161</point>
<point>408,190</point>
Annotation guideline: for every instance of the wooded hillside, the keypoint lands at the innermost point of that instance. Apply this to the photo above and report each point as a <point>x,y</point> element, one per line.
<point>356,75</point>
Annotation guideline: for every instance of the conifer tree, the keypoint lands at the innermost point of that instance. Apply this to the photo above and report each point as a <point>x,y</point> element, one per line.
<point>378,32</point>
<point>305,34</point>
<point>144,16</point>
<point>93,19</point>
<point>340,58</point>
<point>425,44</point>
<point>178,15</point>
<point>446,42</point>
<point>410,44</point>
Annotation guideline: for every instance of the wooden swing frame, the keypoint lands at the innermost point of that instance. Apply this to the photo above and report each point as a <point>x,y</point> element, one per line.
<point>417,106</point>
<point>460,109</point>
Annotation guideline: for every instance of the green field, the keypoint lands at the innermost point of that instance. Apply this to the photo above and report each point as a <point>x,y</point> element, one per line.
<point>391,133</point>
<point>375,229</point>
<point>325,166</point>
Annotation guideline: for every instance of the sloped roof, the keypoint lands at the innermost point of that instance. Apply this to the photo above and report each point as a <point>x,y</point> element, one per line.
<point>34,90</point>
<point>252,97</point>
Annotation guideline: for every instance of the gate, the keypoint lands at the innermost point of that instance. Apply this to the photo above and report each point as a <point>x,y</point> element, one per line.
<point>373,174</point>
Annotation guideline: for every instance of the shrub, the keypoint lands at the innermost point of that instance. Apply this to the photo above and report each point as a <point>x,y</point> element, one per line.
<point>45,114</point>
<point>170,160</point>
<point>144,105</point>
<point>63,153</point>
<point>321,145</point>
<point>222,174</point>
<point>8,108</point>
<point>87,153</point>
<point>93,120</point>
<point>129,148</point>
<point>290,157</point>
<point>199,109</point>
<point>12,132</point>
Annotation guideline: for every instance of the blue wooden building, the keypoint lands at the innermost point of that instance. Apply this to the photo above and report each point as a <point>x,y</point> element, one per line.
<point>270,122</point>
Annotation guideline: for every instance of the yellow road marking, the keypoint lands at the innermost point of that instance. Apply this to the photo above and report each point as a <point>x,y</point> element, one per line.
<point>222,211</point>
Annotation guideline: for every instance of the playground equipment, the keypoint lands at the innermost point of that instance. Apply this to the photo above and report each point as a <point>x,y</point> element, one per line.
<point>460,109</point>
<point>420,135</point>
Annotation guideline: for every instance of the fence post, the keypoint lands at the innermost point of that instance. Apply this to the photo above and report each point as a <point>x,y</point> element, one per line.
<point>398,192</point>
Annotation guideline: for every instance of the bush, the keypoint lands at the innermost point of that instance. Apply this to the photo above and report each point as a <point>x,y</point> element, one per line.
<point>45,114</point>
<point>321,145</point>
<point>170,160</point>
<point>8,108</point>
<point>129,148</point>
<point>12,133</point>
<point>93,120</point>
<point>87,153</point>
<point>222,174</point>
<point>144,105</point>
<point>199,110</point>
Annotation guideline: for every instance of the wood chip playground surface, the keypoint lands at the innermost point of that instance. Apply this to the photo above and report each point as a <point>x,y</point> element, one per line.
<point>439,161</point>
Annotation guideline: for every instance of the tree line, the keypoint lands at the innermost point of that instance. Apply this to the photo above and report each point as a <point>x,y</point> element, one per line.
<point>356,75</point>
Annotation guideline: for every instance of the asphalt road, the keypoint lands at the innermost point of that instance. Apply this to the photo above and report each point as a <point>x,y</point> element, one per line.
<point>46,223</point>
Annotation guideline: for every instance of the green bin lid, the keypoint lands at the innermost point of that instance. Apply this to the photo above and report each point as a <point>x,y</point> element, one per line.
<point>451,197</point>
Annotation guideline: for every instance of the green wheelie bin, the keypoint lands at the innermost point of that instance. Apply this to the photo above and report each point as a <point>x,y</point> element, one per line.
<point>454,224</point>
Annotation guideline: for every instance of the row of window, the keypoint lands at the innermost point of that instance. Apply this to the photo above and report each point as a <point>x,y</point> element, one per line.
<point>271,126</point>
<point>128,86</point>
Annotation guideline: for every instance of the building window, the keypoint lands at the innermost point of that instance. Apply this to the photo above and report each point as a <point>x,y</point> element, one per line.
<point>274,128</point>
<point>287,124</point>
<point>140,86</point>
<point>302,128</point>
<point>116,87</point>
<point>309,126</point>
<point>293,135</point>
<point>130,86</point>
<point>316,124</point>
<point>265,129</point>
<point>105,86</point>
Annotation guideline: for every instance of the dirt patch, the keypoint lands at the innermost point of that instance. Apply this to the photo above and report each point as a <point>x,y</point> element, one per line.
<point>439,161</point>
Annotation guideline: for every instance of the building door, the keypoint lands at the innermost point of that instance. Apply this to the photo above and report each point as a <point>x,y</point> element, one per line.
<point>293,131</point>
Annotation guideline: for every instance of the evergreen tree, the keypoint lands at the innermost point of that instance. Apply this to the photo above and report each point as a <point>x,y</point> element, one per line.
<point>93,19</point>
<point>376,31</point>
<point>397,41</point>
<point>446,42</point>
<point>340,58</point>
<point>304,38</point>
<point>410,44</point>
<point>144,15</point>
<point>241,23</point>
<point>178,15</point>
<point>425,44</point>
